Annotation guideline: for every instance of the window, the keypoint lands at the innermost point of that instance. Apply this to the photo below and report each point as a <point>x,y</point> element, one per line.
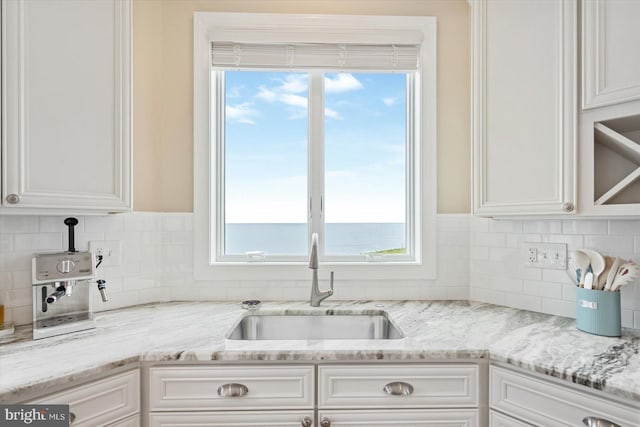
<point>324,128</point>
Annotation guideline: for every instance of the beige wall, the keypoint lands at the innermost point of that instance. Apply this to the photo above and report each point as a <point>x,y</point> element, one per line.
<point>163,91</point>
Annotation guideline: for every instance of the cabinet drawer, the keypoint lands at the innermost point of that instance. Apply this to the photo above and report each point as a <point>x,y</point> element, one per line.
<point>133,421</point>
<point>198,387</point>
<point>352,386</point>
<point>101,402</point>
<point>496,419</point>
<point>551,405</point>
<point>406,418</point>
<point>227,419</point>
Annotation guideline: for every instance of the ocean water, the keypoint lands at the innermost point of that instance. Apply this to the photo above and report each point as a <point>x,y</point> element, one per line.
<point>292,239</point>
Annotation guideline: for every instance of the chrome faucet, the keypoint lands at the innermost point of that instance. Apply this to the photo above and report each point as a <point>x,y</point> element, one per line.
<point>317,296</point>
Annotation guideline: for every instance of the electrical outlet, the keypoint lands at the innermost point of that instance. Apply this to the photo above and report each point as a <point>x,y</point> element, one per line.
<point>545,255</point>
<point>110,251</point>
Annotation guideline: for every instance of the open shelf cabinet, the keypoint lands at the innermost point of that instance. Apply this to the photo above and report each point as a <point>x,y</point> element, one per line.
<point>610,155</point>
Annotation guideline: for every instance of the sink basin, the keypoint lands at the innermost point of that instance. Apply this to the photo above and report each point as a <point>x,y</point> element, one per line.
<point>315,327</point>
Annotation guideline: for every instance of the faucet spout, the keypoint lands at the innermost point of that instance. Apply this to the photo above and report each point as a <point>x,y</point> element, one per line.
<point>317,296</point>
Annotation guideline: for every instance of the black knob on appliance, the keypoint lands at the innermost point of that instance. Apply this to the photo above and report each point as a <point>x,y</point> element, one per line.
<point>71,222</point>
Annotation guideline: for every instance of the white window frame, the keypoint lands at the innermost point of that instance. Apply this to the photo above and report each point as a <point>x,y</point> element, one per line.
<point>209,26</point>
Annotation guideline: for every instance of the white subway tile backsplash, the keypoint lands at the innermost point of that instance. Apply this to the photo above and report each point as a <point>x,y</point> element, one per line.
<point>543,227</point>
<point>624,227</point>
<point>517,240</point>
<point>505,226</point>
<point>543,289</point>
<point>506,284</point>
<point>6,242</point>
<point>557,276</point>
<point>173,223</point>
<point>581,226</point>
<point>37,242</point>
<point>627,318</point>
<point>478,259</point>
<point>559,307</point>
<point>103,224</point>
<point>19,224</point>
<point>489,239</point>
<point>569,292</point>
<point>524,302</point>
<point>611,245</point>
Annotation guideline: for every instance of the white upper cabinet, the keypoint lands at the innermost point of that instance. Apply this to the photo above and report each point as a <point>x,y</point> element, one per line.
<point>610,52</point>
<point>66,105</point>
<point>609,146</point>
<point>524,106</point>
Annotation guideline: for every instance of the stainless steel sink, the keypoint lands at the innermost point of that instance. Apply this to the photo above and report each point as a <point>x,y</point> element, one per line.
<point>315,327</point>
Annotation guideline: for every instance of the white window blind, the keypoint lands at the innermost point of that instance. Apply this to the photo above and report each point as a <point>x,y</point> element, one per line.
<point>353,57</point>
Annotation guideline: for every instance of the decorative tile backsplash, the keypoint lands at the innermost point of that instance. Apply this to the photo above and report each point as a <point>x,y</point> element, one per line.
<point>478,259</point>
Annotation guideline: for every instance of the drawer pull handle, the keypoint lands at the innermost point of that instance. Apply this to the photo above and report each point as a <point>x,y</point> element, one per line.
<point>398,388</point>
<point>598,422</point>
<point>306,422</point>
<point>72,417</point>
<point>232,390</point>
<point>325,422</point>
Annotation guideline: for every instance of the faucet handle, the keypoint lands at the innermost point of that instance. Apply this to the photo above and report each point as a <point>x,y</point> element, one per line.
<point>331,285</point>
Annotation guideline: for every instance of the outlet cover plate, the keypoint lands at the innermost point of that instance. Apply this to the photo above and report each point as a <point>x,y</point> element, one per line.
<point>110,250</point>
<point>547,255</point>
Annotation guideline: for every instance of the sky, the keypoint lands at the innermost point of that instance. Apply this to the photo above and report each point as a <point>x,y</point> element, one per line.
<point>266,147</point>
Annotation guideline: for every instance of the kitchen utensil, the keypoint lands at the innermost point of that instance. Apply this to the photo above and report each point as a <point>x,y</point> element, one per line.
<point>627,274</point>
<point>597,265</point>
<point>588,281</point>
<point>612,273</point>
<point>602,280</point>
<point>582,261</point>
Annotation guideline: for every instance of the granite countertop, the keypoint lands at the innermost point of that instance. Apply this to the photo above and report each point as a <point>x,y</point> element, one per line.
<point>437,330</point>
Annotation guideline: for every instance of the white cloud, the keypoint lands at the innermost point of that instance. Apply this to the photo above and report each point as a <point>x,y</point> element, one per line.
<point>294,100</point>
<point>266,94</point>
<point>389,101</point>
<point>241,113</point>
<point>333,114</point>
<point>344,82</point>
<point>294,83</point>
<point>297,105</point>
<point>234,92</point>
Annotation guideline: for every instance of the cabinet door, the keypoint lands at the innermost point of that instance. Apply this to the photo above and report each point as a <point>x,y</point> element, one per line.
<point>66,104</point>
<point>610,58</point>
<point>408,418</point>
<point>232,419</point>
<point>496,419</point>
<point>101,402</point>
<point>542,403</point>
<point>524,106</point>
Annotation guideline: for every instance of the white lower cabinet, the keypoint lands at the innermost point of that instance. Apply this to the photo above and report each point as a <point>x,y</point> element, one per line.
<point>406,417</point>
<point>496,419</point>
<point>111,401</point>
<point>366,394</point>
<point>228,419</point>
<point>385,395</point>
<point>544,403</point>
<point>132,421</point>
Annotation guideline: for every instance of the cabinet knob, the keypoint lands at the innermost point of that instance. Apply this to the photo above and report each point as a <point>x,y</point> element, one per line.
<point>568,207</point>
<point>398,388</point>
<point>13,199</point>
<point>72,417</point>
<point>232,390</point>
<point>324,422</point>
<point>598,422</point>
<point>306,422</point>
